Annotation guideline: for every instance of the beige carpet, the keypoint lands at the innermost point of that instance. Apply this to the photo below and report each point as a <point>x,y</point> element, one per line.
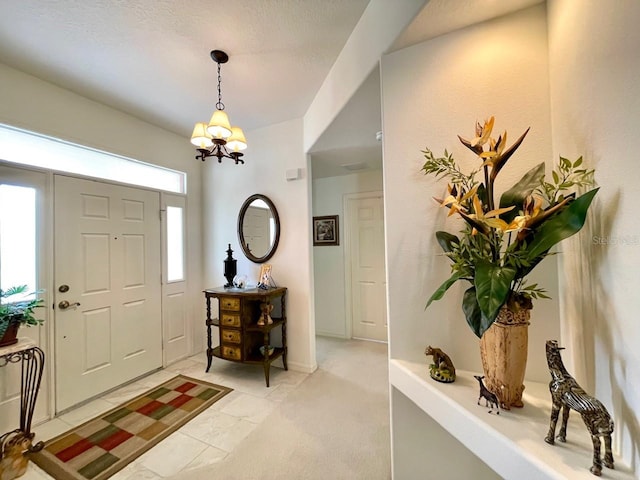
<point>335,425</point>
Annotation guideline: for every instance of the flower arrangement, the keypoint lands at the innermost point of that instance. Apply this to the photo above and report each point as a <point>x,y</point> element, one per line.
<point>502,243</point>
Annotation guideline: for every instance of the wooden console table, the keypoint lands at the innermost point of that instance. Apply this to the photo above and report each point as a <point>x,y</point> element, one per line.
<point>239,310</point>
<point>31,358</point>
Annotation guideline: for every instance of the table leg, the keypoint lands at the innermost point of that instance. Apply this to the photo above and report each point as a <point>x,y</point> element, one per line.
<point>209,349</point>
<point>284,332</point>
<point>266,360</point>
<point>32,368</point>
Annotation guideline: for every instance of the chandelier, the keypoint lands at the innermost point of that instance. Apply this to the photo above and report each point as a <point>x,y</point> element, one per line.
<point>218,138</point>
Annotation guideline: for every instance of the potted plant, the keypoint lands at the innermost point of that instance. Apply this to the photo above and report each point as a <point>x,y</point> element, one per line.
<point>15,314</point>
<point>501,243</point>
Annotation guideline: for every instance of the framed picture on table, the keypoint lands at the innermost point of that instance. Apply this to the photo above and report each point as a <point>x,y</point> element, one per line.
<point>265,281</point>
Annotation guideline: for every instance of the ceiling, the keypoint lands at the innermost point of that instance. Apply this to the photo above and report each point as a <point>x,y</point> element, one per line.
<point>150,59</point>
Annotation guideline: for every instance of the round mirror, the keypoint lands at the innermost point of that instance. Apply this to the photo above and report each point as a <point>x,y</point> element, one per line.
<point>258,228</point>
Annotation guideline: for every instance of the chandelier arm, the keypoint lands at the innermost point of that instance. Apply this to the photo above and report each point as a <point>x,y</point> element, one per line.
<point>219,150</point>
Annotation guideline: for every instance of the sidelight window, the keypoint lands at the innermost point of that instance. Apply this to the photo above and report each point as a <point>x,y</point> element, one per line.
<point>17,237</point>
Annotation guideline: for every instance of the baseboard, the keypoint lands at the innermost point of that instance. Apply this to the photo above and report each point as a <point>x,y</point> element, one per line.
<point>301,367</point>
<point>323,333</point>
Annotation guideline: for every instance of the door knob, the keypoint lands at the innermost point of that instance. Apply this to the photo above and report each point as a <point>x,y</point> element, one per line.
<point>63,305</point>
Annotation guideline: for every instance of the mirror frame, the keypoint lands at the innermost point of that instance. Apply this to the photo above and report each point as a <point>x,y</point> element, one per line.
<point>276,218</point>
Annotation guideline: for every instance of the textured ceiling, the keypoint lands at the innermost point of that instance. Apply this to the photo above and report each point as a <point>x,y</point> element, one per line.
<point>150,58</point>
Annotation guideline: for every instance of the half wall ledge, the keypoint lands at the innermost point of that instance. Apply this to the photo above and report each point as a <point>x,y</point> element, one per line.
<point>510,443</point>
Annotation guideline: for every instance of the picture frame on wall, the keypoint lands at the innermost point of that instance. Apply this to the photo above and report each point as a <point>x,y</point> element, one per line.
<point>326,230</point>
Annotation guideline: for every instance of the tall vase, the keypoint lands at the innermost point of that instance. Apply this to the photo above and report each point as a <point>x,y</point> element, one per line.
<point>503,349</point>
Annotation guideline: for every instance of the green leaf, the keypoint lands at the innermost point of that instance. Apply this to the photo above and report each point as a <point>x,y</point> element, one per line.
<point>478,322</point>
<point>555,176</point>
<point>492,284</point>
<point>521,190</point>
<point>561,226</point>
<point>439,293</point>
<point>446,239</point>
<point>577,163</point>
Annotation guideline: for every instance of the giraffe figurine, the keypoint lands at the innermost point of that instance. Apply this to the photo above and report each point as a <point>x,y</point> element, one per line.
<point>566,394</point>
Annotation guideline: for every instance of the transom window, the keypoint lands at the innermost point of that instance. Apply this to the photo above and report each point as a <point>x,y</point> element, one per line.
<point>27,148</point>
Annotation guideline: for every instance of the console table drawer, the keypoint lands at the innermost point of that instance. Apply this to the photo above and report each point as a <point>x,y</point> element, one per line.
<point>232,353</point>
<point>231,336</point>
<point>229,303</point>
<point>230,319</point>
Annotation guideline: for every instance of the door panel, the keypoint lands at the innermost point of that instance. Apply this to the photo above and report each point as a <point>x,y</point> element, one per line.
<point>107,250</point>
<point>134,261</point>
<point>368,278</point>
<point>96,326</point>
<point>95,251</point>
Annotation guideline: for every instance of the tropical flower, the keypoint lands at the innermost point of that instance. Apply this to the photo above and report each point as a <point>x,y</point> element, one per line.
<point>501,244</point>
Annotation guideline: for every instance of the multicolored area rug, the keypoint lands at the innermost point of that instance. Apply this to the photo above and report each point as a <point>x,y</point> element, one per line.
<point>100,447</point>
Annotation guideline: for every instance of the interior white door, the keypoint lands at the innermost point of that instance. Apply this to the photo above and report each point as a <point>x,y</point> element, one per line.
<point>107,267</point>
<point>368,277</point>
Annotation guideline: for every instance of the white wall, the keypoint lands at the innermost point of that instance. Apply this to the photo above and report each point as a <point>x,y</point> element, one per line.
<point>456,79</point>
<point>432,92</point>
<point>272,150</point>
<point>328,261</point>
<point>595,98</point>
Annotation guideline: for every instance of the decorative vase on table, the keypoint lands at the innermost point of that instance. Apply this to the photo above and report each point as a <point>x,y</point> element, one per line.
<point>504,349</point>
<point>503,239</point>
<point>230,268</point>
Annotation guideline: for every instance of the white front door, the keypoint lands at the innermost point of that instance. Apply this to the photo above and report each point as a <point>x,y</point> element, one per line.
<point>368,277</point>
<point>107,267</point>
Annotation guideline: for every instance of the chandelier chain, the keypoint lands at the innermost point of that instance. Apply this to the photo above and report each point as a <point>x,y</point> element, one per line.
<point>219,105</point>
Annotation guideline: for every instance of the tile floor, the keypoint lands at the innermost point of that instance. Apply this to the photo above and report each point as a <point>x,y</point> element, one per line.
<point>208,438</point>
